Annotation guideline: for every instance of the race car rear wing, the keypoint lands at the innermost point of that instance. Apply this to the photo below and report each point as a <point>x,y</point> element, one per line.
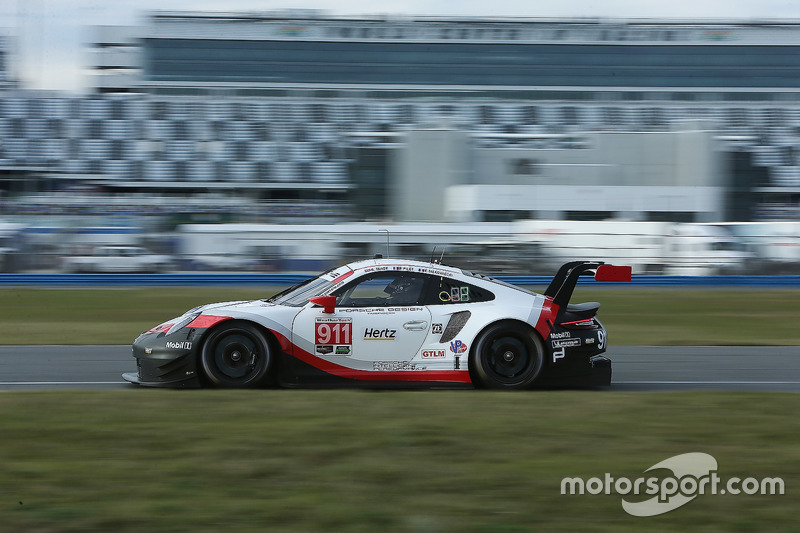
<point>563,283</point>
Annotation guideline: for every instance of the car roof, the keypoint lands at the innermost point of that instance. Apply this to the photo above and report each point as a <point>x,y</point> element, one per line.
<point>392,265</point>
<point>403,264</point>
<point>366,266</point>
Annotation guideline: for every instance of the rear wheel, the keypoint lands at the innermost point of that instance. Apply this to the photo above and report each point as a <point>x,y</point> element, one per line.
<point>237,355</point>
<point>507,356</point>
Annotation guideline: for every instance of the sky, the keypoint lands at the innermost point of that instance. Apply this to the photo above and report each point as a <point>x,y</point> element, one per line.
<point>50,36</point>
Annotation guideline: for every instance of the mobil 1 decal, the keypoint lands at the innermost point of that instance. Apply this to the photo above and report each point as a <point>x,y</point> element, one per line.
<point>333,336</point>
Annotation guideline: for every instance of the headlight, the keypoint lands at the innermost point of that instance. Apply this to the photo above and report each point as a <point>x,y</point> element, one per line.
<point>182,323</point>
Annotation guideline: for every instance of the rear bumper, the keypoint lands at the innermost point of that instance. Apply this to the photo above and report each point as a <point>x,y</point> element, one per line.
<point>598,375</point>
<point>575,356</point>
<point>601,371</point>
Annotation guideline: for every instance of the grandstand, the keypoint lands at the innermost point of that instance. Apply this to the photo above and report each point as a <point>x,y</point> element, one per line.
<point>306,108</point>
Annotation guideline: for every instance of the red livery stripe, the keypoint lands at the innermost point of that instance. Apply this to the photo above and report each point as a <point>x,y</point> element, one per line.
<point>206,321</point>
<point>577,321</point>
<point>547,317</point>
<point>286,344</point>
<point>449,376</point>
<point>343,277</point>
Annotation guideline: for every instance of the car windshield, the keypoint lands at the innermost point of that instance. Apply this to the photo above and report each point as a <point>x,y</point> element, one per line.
<point>299,294</point>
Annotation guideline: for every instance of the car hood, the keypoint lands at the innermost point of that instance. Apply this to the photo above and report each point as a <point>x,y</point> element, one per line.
<point>277,318</point>
<point>244,308</point>
<point>225,306</point>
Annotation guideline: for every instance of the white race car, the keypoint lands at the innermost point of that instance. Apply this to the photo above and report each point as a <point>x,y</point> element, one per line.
<point>388,321</point>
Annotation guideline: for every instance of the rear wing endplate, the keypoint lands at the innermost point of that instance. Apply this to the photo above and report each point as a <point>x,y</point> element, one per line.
<point>563,284</point>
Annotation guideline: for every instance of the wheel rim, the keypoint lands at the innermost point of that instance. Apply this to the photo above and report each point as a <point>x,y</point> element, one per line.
<point>507,358</point>
<point>236,355</point>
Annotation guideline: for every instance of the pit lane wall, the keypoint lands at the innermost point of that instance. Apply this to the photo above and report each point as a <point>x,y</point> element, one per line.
<point>273,279</point>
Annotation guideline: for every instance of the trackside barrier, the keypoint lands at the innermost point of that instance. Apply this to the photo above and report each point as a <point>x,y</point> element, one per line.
<point>290,279</point>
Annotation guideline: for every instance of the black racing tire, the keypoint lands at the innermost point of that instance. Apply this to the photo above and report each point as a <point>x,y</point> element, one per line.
<point>507,356</point>
<point>236,355</point>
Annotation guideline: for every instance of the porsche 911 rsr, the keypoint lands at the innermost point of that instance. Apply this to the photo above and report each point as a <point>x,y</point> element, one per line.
<point>388,321</point>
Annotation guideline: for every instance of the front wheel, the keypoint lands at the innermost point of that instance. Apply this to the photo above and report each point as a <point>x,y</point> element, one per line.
<point>236,356</point>
<point>507,356</point>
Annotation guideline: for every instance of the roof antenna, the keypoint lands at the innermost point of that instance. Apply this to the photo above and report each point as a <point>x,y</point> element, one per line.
<point>387,240</point>
<point>432,261</point>
<point>441,258</point>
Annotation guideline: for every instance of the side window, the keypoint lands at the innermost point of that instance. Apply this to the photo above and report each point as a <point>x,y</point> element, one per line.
<point>382,289</point>
<point>453,291</point>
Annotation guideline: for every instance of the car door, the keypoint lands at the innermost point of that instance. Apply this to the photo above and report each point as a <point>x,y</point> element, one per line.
<point>378,323</point>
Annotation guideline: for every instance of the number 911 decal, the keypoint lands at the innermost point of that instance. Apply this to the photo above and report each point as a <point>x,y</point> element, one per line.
<point>333,335</point>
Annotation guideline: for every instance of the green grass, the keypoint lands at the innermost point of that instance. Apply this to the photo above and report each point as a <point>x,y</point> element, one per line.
<point>102,315</point>
<point>352,461</point>
<point>633,316</point>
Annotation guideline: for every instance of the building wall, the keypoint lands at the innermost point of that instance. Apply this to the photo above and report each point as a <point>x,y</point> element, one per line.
<point>428,162</point>
<point>294,47</point>
<point>475,203</point>
<point>631,175</point>
<point>688,155</point>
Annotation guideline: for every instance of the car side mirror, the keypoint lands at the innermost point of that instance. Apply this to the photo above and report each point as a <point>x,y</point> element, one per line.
<point>328,303</point>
